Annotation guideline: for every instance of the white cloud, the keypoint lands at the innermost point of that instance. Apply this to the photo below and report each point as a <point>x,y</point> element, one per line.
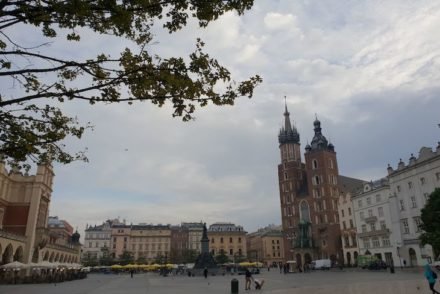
<point>276,21</point>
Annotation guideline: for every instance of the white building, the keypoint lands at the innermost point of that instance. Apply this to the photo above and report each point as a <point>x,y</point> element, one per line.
<point>195,233</point>
<point>97,239</point>
<point>410,186</point>
<point>372,210</point>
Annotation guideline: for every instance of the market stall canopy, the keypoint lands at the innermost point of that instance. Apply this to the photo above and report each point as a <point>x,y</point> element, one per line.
<point>14,265</point>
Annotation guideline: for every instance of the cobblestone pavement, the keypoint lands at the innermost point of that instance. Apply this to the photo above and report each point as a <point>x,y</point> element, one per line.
<point>153,283</point>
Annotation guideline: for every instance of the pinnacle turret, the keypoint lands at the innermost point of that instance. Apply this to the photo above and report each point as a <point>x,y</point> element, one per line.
<point>288,133</point>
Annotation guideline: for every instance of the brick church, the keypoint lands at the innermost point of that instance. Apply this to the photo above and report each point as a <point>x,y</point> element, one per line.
<point>309,193</point>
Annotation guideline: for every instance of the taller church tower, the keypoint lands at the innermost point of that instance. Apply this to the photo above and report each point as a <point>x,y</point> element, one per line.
<point>308,196</point>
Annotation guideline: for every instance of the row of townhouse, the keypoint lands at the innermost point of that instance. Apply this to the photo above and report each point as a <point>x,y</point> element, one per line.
<point>383,217</point>
<point>150,242</point>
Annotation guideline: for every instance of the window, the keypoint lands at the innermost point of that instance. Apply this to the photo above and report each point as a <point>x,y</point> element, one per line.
<point>351,224</point>
<point>380,211</point>
<point>362,216</point>
<point>239,239</point>
<point>331,163</point>
<point>405,226</point>
<point>278,241</point>
<point>364,228</point>
<point>221,240</point>
<point>378,198</point>
<point>368,200</point>
<point>417,224</point>
<point>324,243</point>
<point>426,195</point>
<point>410,185</point>
<point>349,211</point>
<point>385,242</point>
<point>413,201</point>
<point>359,203</point>
<point>314,164</point>
<point>285,176</point>
<point>398,188</point>
<point>402,205</point>
<point>437,175</point>
<point>373,227</point>
<point>342,213</point>
<point>422,181</point>
<point>343,225</point>
<point>230,239</point>
<point>90,244</point>
<point>370,212</point>
<point>346,241</point>
<point>231,251</point>
<point>383,226</point>
<point>366,243</point>
<point>375,242</point>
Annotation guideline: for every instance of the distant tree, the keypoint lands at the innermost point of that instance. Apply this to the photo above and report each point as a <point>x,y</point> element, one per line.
<point>89,259</point>
<point>141,260</point>
<point>221,258</point>
<point>431,221</point>
<point>106,258</point>
<point>32,125</point>
<point>189,256</point>
<point>126,257</point>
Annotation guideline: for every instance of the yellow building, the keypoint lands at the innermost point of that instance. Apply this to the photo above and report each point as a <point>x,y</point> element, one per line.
<point>146,242</point>
<point>229,239</point>
<point>266,246</point>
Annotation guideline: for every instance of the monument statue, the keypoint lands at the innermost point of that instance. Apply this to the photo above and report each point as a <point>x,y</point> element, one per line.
<point>205,260</point>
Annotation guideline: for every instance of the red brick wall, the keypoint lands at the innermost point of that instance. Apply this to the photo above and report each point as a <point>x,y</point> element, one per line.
<point>15,219</point>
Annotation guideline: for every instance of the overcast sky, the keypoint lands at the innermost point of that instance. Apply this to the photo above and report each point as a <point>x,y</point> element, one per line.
<point>369,69</point>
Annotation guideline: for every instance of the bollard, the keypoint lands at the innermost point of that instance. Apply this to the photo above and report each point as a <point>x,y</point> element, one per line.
<point>234,286</point>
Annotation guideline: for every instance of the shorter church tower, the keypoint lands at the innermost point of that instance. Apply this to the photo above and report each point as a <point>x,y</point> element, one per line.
<point>322,178</point>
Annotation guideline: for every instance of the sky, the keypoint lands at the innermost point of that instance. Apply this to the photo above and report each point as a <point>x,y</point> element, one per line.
<point>369,70</point>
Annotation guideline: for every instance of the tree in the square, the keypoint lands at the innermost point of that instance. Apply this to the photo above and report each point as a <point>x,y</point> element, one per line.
<point>126,257</point>
<point>431,221</point>
<point>33,126</point>
<point>221,258</point>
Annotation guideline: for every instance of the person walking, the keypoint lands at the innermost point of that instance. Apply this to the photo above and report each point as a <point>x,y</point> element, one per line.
<point>431,276</point>
<point>248,276</point>
<point>205,272</point>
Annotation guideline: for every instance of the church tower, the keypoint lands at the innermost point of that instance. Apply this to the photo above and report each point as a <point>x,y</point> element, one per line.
<point>322,179</point>
<point>292,180</point>
<point>308,196</point>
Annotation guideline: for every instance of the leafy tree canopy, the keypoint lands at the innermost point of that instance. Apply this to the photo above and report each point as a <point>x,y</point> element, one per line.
<point>221,258</point>
<point>431,221</point>
<point>32,125</point>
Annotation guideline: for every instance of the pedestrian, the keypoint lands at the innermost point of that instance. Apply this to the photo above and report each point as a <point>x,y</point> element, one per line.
<point>131,273</point>
<point>248,276</point>
<point>281,268</point>
<point>205,272</point>
<point>431,276</point>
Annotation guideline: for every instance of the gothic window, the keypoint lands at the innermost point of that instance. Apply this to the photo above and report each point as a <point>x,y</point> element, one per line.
<point>305,211</point>
<point>314,164</point>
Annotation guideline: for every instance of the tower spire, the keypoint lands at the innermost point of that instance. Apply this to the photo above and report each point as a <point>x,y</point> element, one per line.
<point>288,134</point>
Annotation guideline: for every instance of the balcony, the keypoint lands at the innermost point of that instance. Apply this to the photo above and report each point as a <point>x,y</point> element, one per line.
<point>374,233</point>
<point>371,219</point>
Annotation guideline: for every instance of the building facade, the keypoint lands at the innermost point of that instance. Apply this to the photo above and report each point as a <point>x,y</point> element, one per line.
<point>410,186</point>
<point>24,232</point>
<point>373,215</point>
<point>149,243</point>
<point>97,240</point>
<point>195,234</point>
<point>229,239</point>
<point>347,221</point>
<point>179,244</point>
<point>266,245</point>
<point>309,195</point>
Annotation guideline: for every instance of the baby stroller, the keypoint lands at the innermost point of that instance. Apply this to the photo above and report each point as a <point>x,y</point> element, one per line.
<point>258,284</point>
